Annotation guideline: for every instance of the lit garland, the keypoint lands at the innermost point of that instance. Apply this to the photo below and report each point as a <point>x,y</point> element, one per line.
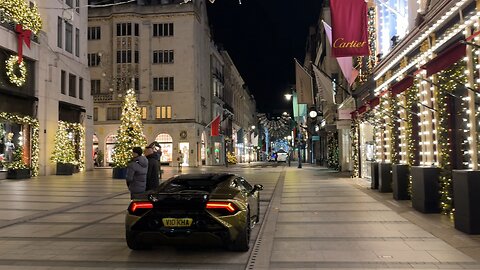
<point>130,132</point>
<point>35,128</point>
<point>12,73</point>
<point>411,98</point>
<point>355,145</point>
<point>475,57</point>
<point>393,108</point>
<point>333,155</point>
<point>20,12</point>
<point>446,80</point>
<point>372,37</point>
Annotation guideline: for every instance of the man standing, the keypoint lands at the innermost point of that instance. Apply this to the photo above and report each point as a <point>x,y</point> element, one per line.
<point>153,168</point>
<point>137,173</point>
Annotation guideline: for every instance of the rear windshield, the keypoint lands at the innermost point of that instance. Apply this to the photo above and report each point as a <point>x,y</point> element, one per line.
<point>176,185</point>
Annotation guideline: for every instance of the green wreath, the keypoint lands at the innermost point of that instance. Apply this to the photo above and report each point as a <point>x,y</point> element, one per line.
<point>12,65</point>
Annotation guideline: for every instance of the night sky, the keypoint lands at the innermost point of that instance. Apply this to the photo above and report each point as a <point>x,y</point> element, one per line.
<point>262,37</point>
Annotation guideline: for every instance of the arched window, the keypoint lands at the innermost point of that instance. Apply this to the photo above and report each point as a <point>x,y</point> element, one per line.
<point>166,142</point>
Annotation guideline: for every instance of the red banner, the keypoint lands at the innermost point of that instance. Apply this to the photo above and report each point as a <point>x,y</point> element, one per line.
<point>215,127</point>
<point>349,25</point>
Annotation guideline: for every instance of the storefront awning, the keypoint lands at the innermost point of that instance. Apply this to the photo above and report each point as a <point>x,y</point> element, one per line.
<point>402,85</point>
<point>445,59</point>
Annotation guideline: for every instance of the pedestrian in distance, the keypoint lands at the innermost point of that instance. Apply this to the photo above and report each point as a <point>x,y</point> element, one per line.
<point>153,168</point>
<point>137,173</point>
<point>180,161</point>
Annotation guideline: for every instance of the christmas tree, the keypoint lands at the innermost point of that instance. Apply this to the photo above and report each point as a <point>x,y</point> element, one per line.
<point>64,151</point>
<point>130,132</point>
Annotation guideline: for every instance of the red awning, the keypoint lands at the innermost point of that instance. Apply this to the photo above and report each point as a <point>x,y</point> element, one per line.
<point>374,102</point>
<point>402,85</point>
<point>445,59</point>
<point>362,109</point>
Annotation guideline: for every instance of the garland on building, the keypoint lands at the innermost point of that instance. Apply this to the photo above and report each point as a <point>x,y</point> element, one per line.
<point>35,127</point>
<point>20,12</point>
<point>394,132</point>
<point>448,79</point>
<point>372,38</point>
<point>16,72</point>
<point>411,98</point>
<point>333,159</point>
<point>130,132</point>
<point>355,145</point>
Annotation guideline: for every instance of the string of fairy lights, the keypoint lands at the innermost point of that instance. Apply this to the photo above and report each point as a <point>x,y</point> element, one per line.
<point>278,127</point>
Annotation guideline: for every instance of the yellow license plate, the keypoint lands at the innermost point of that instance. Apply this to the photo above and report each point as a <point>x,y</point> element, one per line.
<point>177,222</point>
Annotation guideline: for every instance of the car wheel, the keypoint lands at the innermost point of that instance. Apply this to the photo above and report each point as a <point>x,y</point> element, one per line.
<point>242,242</point>
<point>133,243</point>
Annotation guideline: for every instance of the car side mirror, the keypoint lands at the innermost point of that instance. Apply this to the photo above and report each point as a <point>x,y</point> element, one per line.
<point>257,188</point>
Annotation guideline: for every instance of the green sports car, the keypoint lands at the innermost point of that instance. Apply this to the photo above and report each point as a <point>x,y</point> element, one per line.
<point>189,208</point>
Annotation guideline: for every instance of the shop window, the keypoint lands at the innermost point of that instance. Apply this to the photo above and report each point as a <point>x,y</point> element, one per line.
<point>14,144</point>
<point>166,143</point>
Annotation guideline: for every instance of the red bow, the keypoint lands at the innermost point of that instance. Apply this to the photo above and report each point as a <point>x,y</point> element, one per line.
<point>22,35</point>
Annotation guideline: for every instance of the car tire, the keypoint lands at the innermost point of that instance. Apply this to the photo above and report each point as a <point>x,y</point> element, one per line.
<point>242,242</point>
<point>134,243</point>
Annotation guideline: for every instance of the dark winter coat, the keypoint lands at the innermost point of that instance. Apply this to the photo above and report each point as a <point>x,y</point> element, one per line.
<point>137,174</point>
<point>152,172</point>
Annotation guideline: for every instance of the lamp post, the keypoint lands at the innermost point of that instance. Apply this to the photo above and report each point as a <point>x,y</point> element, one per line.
<point>289,96</point>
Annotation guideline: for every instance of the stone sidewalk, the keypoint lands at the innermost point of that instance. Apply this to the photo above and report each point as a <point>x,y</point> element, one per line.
<point>320,220</point>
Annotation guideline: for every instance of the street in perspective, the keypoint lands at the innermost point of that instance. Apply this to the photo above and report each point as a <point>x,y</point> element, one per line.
<point>311,218</point>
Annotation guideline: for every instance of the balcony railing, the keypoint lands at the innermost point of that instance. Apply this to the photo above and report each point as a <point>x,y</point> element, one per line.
<point>103,97</point>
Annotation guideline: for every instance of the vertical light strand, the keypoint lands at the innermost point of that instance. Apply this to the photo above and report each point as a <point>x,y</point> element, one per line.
<point>411,136</point>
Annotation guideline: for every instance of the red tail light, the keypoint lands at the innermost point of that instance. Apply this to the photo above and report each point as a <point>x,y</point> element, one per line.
<point>228,206</point>
<point>137,207</point>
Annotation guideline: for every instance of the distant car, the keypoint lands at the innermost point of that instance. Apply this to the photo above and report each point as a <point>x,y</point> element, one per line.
<point>282,156</point>
<point>195,207</point>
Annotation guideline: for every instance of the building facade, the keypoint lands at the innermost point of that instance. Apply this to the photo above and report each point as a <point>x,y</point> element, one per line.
<point>163,50</point>
<point>419,106</point>
<point>53,87</point>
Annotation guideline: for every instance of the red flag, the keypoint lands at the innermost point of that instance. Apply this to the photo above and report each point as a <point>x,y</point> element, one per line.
<point>349,25</point>
<point>215,126</point>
